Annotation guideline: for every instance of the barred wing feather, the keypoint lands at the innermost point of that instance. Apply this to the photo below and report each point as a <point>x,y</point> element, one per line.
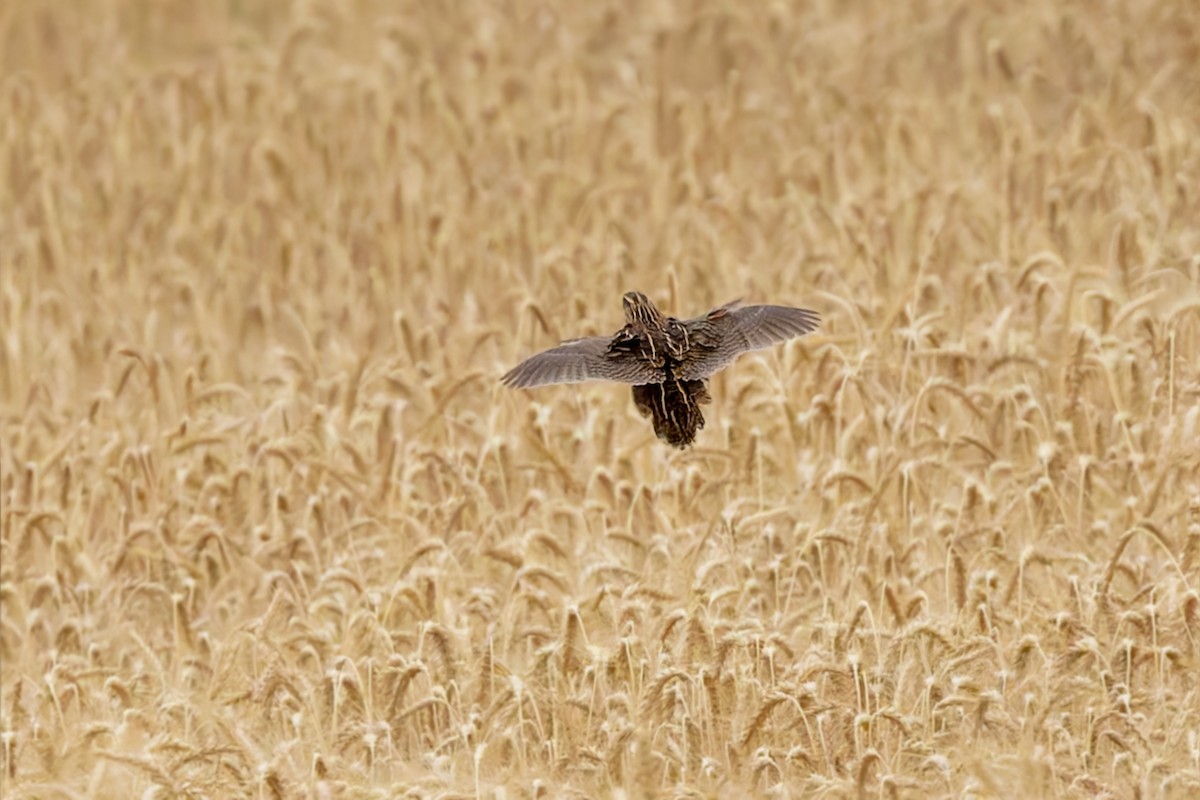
<point>578,361</point>
<point>735,331</point>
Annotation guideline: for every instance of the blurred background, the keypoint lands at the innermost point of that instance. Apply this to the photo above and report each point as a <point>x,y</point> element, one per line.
<point>272,527</point>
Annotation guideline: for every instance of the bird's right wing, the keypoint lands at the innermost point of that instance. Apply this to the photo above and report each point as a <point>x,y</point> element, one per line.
<point>729,331</point>
<point>580,360</point>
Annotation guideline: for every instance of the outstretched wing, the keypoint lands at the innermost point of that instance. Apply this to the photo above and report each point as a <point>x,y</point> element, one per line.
<point>729,331</point>
<point>580,360</point>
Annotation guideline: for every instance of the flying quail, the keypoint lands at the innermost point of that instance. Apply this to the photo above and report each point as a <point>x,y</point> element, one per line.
<point>667,360</point>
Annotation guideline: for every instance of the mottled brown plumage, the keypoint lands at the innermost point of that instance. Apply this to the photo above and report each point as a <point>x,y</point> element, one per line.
<point>674,409</point>
<point>667,360</point>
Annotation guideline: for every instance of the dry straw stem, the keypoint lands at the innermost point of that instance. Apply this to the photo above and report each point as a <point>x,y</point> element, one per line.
<point>271,527</point>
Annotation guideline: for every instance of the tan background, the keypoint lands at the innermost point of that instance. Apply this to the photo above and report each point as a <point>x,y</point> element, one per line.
<point>271,527</point>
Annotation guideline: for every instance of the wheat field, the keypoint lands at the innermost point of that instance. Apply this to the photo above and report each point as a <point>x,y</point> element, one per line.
<point>272,528</point>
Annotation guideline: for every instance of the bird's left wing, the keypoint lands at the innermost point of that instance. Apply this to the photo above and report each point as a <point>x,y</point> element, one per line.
<point>580,360</point>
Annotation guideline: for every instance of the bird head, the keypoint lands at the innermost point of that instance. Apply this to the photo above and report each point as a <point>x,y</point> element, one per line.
<point>640,311</point>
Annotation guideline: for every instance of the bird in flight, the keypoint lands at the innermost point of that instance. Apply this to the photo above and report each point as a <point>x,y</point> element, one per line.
<point>667,360</point>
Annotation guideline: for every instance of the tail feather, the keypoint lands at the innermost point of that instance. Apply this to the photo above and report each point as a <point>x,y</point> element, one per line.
<point>673,408</point>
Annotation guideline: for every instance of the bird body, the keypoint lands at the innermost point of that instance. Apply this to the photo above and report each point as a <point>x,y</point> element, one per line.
<point>667,360</point>
<point>673,407</point>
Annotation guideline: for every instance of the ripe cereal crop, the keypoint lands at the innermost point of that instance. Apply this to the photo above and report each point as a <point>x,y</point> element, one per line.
<point>272,527</point>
